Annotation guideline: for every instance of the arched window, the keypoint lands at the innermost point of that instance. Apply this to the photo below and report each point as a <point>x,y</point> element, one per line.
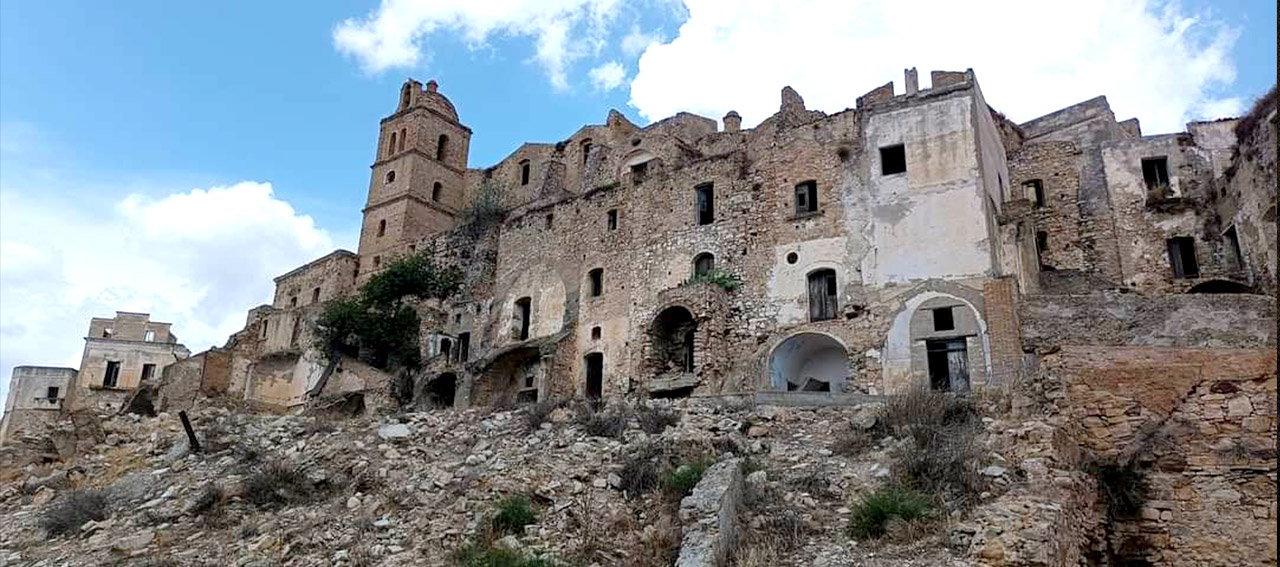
<point>391,147</point>
<point>404,97</point>
<point>403,135</point>
<point>442,147</point>
<point>586,150</point>
<point>524,172</point>
<point>703,264</point>
<point>382,227</point>
<point>435,191</point>
<point>391,176</point>
<point>596,284</point>
<point>823,302</point>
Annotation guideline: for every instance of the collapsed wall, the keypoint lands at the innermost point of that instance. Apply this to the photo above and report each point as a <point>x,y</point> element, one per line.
<point>1170,403</point>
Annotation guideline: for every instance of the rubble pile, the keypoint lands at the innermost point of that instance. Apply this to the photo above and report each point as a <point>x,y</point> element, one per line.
<point>411,489</point>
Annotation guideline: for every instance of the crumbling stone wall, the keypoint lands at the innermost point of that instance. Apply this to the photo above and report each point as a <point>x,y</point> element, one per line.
<point>1181,388</point>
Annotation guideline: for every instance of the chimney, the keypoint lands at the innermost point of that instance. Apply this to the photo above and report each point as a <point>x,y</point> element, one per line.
<point>912,81</point>
<point>732,122</point>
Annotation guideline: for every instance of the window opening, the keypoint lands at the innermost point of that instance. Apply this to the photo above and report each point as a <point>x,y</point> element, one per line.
<point>1155,172</point>
<point>893,160</point>
<point>551,219</point>
<point>706,203</point>
<point>149,336</point>
<point>944,319</point>
<point>639,171</point>
<point>435,191</point>
<point>391,147</point>
<point>315,295</point>
<point>807,197</point>
<point>823,302</point>
<point>148,370</point>
<point>586,151</point>
<point>442,147</point>
<point>112,377</point>
<point>524,172</point>
<point>382,228</point>
<point>51,393</point>
<point>464,347</point>
<point>391,176</point>
<point>1182,257</point>
<point>403,135</point>
<point>704,264</point>
<point>1035,192</point>
<point>612,217</point>
<point>522,316</point>
<point>293,301</point>
<point>596,278</point>
<point>446,345</point>
<point>595,333</point>
<point>1233,245</point>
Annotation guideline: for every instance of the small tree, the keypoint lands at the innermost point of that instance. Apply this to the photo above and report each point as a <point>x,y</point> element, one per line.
<point>380,324</point>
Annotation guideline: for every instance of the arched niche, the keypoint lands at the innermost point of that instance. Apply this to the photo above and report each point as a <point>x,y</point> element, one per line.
<point>917,331</point>
<point>809,362</point>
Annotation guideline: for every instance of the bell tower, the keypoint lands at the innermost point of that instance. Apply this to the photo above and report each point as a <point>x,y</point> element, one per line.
<point>416,182</point>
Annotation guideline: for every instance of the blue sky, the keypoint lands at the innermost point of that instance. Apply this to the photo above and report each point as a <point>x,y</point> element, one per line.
<point>173,156</point>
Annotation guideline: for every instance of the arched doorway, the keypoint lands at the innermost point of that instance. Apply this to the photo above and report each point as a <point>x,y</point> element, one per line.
<point>673,334</point>
<point>441,391</point>
<point>809,362</point>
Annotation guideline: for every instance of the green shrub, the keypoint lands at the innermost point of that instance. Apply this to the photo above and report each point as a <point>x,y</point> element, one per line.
<point>478,556</point>
<point>726,280</point>
<point>874,511</point>
<point>73,509</point>
<point>514,513</point>
<point>944,455</point>
<point>681,481</point>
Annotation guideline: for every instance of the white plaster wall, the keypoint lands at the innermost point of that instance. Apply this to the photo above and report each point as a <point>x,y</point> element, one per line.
<point>896,358</point>
<point>29,385</point>
<point>929,222</point>
<point>548,298</point>
<point>788,286</point>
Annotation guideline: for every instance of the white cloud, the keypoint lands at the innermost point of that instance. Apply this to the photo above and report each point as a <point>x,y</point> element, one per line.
<point>1150,60</point>
<point>608,76</point>
<point>396,34</point>
<point>198,259</point>
<point>635,42</point>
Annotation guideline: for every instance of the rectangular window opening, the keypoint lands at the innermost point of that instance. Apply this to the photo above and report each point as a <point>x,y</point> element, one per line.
<point>948,365</point>
<point>639,171</point>
<point>464,347</point>
<point>823,300</point>
<point>1035,192</point>
<point>893,160</point>
<point>148,370</point>
<point>944,319</point>
<point>551,219</point>
<point>706,204</point>
<point>1233,248</point>
<point>522,316</point>
<point>1155,172</point>
<point>51,393</point>
<point>524,172</point>
<point>112,377</point>
<point>807,197</point>
<point>597,282</point>
<point>613,219</point>
<point>1182,257</point>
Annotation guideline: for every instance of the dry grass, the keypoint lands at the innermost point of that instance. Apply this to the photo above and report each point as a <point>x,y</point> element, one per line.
<point>278,484</point>
<point>944,455</point>
<point>653,420</point>
<point>73,509</point>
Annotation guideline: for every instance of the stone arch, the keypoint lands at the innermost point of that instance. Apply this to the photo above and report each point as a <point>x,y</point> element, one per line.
<point>904,360</point>
<point>808,361</point>
<point>442,390</point>
<point>1221,286</point>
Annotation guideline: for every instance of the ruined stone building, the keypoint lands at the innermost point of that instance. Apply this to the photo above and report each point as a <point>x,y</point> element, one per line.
<point>809,259</point>
<point>120,354</point>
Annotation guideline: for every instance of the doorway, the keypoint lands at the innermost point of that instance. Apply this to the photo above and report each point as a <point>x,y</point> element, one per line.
<point>948,364</point>
<point>595,376</point>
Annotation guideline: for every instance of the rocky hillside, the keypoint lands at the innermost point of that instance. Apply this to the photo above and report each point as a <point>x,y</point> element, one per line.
<point>549,484</point>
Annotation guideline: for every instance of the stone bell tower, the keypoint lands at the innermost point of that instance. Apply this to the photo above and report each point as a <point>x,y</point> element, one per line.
<point>416,183</point>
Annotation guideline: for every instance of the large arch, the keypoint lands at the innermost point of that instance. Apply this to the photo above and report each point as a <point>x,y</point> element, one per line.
<point>1220,286</point>
<point>810,362</point>
<point>904,360</point>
